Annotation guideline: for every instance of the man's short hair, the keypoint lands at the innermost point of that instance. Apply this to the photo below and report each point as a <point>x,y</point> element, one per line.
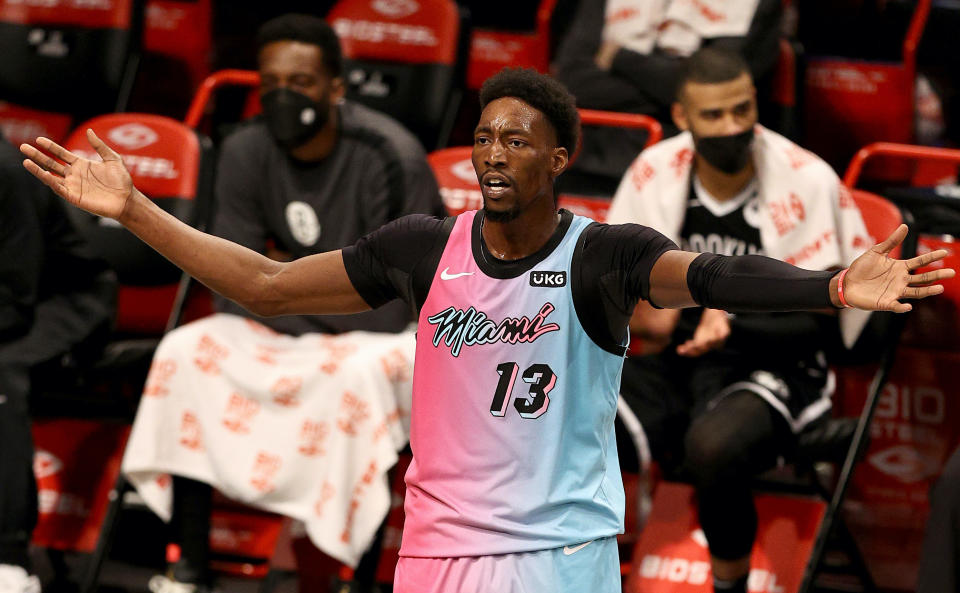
<point>304,28</point>
<point>709,65</point>
<point>543,93</point>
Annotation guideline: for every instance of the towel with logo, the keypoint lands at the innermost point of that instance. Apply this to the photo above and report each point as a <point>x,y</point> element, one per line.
<point>301,426</point>
<point>807,216</point>
<point>674,26</point>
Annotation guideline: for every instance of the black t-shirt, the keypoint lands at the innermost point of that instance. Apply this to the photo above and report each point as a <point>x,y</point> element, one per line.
<point>724,228</point>
<point>611,266</point>
<point>732,228</point>
<point>376,173</point>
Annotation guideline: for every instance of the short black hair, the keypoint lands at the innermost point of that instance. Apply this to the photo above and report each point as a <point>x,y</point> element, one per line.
<point>710,65</point>
<point>543,93</point>
<point>304,28</point>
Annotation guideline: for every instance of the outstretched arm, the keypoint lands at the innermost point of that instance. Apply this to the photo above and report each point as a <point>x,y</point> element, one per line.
<point>312,285</point>
<point>874,282</point>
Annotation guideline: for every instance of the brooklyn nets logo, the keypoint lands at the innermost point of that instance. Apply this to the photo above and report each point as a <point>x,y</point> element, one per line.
<point>457,328</point>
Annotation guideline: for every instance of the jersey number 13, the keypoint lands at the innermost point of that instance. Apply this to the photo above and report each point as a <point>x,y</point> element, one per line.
<point>541,379</point>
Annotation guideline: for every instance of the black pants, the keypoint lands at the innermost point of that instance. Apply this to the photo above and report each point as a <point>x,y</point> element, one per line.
<point>940,557</point>
<point>67,323</point>
<point>717,444</point>
<point>18,488</point>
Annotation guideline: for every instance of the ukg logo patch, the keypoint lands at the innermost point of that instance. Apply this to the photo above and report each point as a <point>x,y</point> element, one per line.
<point>457,328</point>
<point>548,279</point>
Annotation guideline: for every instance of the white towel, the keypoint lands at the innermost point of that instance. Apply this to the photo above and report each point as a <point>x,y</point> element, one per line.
<point>675,26</point>
<point>807,217</point>
<point>302,426</point>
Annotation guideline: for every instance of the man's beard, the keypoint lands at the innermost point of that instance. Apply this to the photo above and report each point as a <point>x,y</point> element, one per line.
<point>501,216</point>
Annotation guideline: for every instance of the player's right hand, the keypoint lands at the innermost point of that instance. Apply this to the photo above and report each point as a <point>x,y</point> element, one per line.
<point>711,333</point>
<point>103,188</point>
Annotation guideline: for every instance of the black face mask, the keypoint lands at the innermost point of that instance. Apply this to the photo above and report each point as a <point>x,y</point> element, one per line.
<point>727,153</point>
<point>293,118</point>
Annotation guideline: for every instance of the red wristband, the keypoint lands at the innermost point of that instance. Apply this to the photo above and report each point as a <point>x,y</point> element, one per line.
<point>843,301</point>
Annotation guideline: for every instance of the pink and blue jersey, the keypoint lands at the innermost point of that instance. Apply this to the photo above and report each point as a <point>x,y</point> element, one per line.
<point>515,405</point>
<point>516,378</point>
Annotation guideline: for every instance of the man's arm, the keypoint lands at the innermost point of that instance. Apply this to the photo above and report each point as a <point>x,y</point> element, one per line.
<point>312,285</point>
<point>874,282</point>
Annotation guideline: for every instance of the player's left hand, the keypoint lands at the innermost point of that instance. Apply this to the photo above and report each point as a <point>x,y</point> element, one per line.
<point>877,282</point>
<point>711,333</point>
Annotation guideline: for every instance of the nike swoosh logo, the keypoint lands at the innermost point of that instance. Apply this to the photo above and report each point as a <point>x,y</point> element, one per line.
<point>446,275</point>
<point>567,550</point>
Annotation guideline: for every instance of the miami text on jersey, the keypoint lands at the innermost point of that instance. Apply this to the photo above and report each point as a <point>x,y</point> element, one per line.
<point>458,328</point>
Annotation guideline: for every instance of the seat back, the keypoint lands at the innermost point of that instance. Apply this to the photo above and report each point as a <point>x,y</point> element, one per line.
<point>182,31</point>
<point>170,163</point>
<point>492,50</point>
<point>405,58</point>
<point>72,503</point>
<point>848,102</point>
<point>68,57</point>
<point>880,215</point>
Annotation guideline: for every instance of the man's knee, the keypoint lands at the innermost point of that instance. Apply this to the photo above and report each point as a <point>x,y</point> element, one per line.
<point>710,457</point>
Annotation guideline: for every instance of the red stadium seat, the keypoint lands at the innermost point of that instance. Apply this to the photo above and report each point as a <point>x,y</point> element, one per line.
<point>170,163</point>
<point>173,165</point>
<point>52,49</point>
<point>914,424</point>
<point>406,59</point>
<point>182,31</point>
<point>460,189</point>
<point>849,103</point>
<point>492,50</point>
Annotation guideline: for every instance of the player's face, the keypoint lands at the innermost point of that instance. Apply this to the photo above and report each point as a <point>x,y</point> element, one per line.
<point>298,67</point>
<point>717,109</point>
<point>516,157</point>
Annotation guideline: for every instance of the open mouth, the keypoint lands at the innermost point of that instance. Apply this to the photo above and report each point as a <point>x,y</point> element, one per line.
<point>494,185</point>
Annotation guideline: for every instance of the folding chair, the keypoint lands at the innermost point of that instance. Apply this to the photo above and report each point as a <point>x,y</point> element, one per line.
<point>51,50</point>
<point>406,59</point>
<point>460,189</point>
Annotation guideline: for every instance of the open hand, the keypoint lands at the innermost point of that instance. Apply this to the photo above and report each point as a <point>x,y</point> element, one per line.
<point>711,333</point>
<point>102,188</point>
<point>877,282</point>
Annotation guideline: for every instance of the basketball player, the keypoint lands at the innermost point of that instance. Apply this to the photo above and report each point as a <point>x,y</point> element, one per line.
<point>523,311</point>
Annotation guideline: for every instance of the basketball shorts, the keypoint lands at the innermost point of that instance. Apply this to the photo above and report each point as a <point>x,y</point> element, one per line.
<point>587,567</point>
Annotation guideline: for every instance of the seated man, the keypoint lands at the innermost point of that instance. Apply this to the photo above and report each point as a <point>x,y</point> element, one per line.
<point>626,55</point>
<point>55,299</point>
<point>729,394</point>
<point>313,174</point>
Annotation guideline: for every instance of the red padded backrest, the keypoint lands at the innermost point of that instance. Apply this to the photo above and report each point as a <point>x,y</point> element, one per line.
<point>456,178</point>
<point>182,30</point>
<point>408,31</point>
<point>879,214</point>
<point>162,154</point>
<point>20,124</point>
<point>99,14</point>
